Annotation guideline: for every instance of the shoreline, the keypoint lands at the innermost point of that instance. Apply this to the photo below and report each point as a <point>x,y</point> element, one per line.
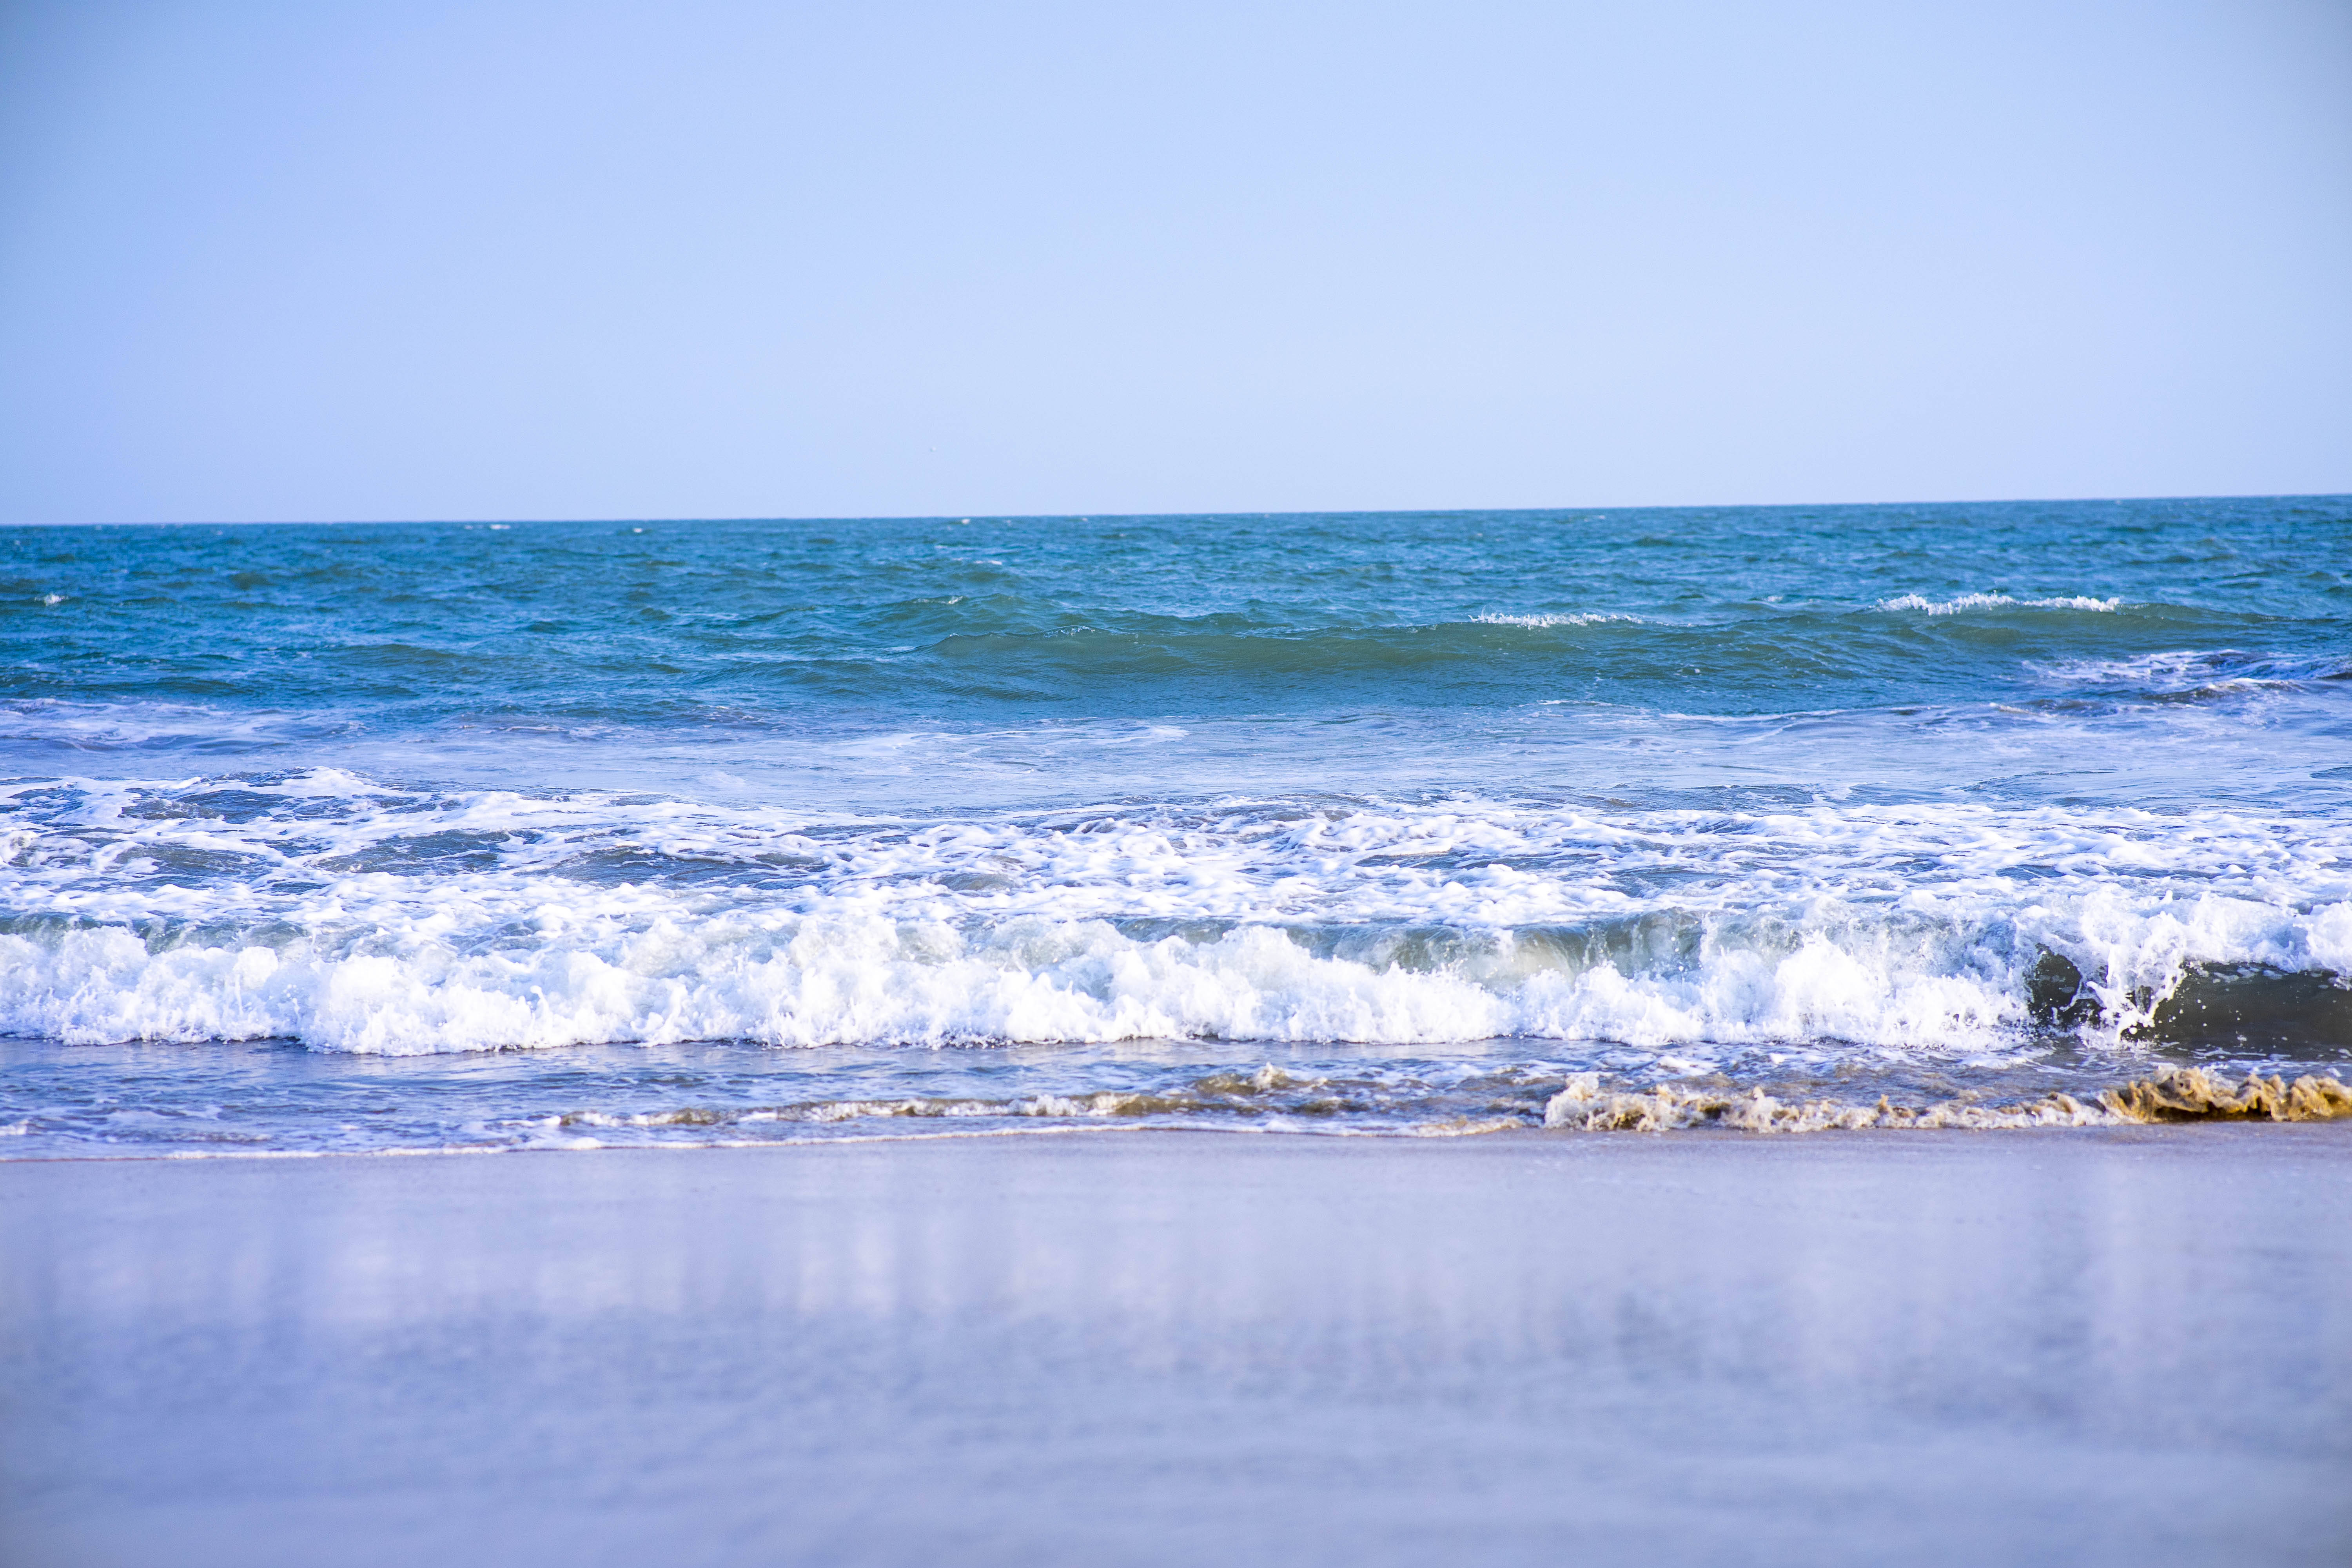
<point>1320,1101</point>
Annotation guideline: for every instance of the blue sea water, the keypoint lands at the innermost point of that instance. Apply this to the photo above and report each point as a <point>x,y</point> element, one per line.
<point>363,838</point>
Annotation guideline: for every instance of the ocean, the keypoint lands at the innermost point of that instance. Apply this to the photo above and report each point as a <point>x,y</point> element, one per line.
<point>362,838</point>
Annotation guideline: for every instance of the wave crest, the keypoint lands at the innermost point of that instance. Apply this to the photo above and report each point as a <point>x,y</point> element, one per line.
<point>1538,623</point>
<point>1954,607</point>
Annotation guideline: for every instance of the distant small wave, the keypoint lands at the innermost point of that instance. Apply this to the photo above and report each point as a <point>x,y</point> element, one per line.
<point>1994,601</point>
<point>1538,622</point>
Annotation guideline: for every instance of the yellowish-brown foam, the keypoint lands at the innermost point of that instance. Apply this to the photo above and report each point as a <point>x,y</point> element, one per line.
<point>2186,1094</point>
<point>2170,1094</point>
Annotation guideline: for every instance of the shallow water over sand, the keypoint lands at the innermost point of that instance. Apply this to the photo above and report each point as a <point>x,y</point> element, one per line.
<point>2087,1347</point>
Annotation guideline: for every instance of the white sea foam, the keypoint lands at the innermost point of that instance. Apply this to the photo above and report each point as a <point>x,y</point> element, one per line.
<point>331,910</point>
<point>1994,601</point>
<point>2194,670</point>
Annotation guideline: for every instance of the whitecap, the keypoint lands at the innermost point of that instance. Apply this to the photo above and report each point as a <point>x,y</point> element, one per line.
<point>1994,601</point>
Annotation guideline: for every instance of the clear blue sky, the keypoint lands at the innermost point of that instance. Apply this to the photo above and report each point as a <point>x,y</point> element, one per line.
<point>505,260</point>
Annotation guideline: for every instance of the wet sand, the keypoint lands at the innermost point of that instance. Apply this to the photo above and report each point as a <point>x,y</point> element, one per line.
<point>2126,1346</point>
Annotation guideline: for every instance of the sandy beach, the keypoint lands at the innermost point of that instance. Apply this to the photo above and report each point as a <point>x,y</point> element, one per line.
<point>2100,1346</point>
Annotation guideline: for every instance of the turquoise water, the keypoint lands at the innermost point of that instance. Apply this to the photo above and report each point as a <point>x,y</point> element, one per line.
<point>362,836</point>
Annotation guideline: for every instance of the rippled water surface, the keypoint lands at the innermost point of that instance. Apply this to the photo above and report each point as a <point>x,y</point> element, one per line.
<point>359,837</point>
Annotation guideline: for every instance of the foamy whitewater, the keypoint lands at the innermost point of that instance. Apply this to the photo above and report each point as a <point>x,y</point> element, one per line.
<point>368,838</point>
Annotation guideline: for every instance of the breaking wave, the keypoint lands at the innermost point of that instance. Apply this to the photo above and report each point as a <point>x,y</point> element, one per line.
<point>325,908</point>
<point>1954,607</point>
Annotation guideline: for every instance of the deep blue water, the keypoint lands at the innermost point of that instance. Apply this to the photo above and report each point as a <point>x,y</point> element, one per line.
<point>362,836</point>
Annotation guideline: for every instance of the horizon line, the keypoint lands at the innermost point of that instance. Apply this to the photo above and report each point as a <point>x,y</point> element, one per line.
<point>1596,511</point>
